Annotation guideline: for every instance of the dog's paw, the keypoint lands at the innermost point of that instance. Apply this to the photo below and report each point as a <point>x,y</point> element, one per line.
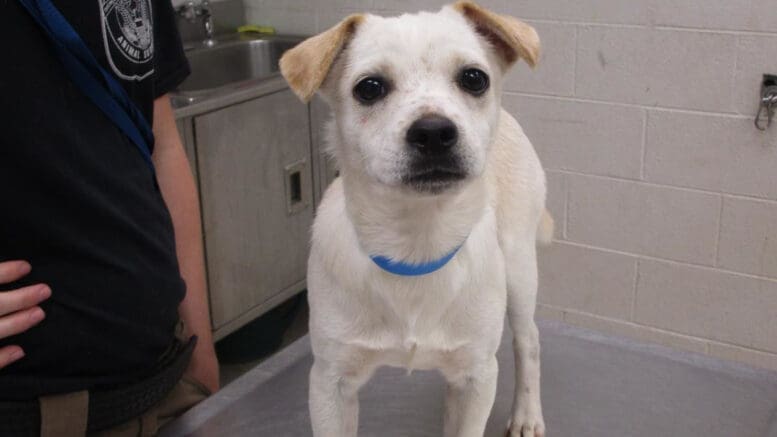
<point>526,425</point>
<point>526,430</point>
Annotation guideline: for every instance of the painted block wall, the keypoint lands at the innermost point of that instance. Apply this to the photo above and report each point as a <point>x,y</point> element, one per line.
<point>664,194</point>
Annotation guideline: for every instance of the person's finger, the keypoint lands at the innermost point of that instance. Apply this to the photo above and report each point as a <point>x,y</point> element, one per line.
<point>9,354</point>
<point>13,270</point>
<point>20,321</point>
<point>23,298</point>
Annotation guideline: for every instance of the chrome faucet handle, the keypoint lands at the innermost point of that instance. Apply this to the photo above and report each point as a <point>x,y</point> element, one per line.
<point>207,22</point>
<point>188,11</point>
<point>194,9</point>
<point>208,25</point>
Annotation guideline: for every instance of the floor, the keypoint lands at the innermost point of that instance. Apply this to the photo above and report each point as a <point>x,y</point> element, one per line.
<point>294,318</point>
<point>593,385</point>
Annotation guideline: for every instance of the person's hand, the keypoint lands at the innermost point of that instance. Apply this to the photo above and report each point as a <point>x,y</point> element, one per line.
<point>19,310</point>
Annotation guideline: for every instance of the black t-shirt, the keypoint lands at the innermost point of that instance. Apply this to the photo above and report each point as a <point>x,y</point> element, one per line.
<point>80,203</point>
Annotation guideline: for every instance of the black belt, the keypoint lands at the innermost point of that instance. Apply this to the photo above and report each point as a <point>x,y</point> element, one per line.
<point>107,408</point>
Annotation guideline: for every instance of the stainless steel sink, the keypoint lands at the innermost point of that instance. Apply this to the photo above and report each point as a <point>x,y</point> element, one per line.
<point>234,62</point>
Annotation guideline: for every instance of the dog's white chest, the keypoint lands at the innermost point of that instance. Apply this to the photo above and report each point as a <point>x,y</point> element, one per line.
<point>429,321</point>
<point>444,323</point>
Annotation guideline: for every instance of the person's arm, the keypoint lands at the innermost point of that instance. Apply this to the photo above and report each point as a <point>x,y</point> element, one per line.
<point>180,195</point>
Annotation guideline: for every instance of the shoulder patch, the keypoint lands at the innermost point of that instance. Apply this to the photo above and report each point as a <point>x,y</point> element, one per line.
<point>128,34</point>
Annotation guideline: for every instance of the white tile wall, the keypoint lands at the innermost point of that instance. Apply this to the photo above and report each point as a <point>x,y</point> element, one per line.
<point>763,16</point>
<point>555,74</point>
<point>643,219</point>
<point>640,332</point>
<point>746,15</point>
<point>711,152</point>
<point>748,237</point>
<point>290,19</point>
<point>586,279</point>
<point>707,303</point>
<point>702,14</point>
<point>402,6</point>
<point>652,67</point>
<point>593,11</point>
<point>592,138</point>
<point>664,194</point>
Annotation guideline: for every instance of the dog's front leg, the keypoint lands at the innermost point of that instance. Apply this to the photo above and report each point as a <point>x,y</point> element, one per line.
<point>521,269</point>
<point>469,399</point>
<point>334,402</point>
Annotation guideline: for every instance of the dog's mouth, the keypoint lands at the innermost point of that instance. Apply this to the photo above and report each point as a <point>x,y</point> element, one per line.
<point>434,178</point>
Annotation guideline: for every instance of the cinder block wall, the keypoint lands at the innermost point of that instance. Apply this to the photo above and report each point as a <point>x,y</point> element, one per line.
<point>664,193</point>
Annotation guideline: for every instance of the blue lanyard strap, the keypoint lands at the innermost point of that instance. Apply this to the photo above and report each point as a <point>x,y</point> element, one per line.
<point>407,269</point>
<point>85,71</point>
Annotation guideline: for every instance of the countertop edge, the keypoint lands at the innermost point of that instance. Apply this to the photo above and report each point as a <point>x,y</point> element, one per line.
<point>190,421</point>
<point>240,94</point>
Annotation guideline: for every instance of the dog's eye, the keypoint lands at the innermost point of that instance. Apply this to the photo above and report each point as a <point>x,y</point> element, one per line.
<point>370,90</point>
<point>473,81</point>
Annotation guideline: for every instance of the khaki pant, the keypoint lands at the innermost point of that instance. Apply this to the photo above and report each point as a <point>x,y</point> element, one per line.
<point>66,415</point>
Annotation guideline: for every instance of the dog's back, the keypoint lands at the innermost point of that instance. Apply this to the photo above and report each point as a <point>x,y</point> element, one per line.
<point>520,184</point>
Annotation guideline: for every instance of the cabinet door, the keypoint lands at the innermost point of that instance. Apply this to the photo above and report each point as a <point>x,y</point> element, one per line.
<point>256,192</point>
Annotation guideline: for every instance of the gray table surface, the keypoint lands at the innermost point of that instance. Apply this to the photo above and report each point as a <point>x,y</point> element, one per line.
<point>592,385</point>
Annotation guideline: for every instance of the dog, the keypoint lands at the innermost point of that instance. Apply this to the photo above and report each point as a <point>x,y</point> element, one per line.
<point>428,236</point>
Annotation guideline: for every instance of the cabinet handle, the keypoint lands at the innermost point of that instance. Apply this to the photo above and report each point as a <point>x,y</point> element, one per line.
<point>297,186</point>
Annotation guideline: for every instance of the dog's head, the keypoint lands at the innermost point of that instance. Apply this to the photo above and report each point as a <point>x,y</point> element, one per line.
<point>416,97</point>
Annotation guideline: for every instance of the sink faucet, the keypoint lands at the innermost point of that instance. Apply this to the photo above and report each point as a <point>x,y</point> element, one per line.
<point>191,11</point>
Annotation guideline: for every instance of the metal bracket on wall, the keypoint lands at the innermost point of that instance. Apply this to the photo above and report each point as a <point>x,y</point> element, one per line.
<point>768,102</point>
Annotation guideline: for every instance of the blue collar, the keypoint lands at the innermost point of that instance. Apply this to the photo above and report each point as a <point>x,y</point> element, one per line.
<point>406,269</point>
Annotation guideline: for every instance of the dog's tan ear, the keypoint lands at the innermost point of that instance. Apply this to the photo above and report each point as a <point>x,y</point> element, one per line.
<point>306,66</point>
<point>511,37</point>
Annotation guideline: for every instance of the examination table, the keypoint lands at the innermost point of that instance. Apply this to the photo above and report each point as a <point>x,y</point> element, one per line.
<point>592,385</point>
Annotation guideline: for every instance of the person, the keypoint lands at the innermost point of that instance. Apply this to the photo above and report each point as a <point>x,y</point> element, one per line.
<point>102,283</point>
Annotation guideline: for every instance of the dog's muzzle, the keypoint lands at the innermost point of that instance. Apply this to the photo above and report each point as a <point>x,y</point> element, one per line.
<point>432,135</point>
<point>434,165</point>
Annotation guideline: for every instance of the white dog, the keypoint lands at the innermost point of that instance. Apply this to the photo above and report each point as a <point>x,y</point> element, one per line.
<point>429,235</point>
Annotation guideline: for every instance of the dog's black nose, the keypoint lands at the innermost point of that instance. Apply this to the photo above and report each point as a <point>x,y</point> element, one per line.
<point>432,134</point>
